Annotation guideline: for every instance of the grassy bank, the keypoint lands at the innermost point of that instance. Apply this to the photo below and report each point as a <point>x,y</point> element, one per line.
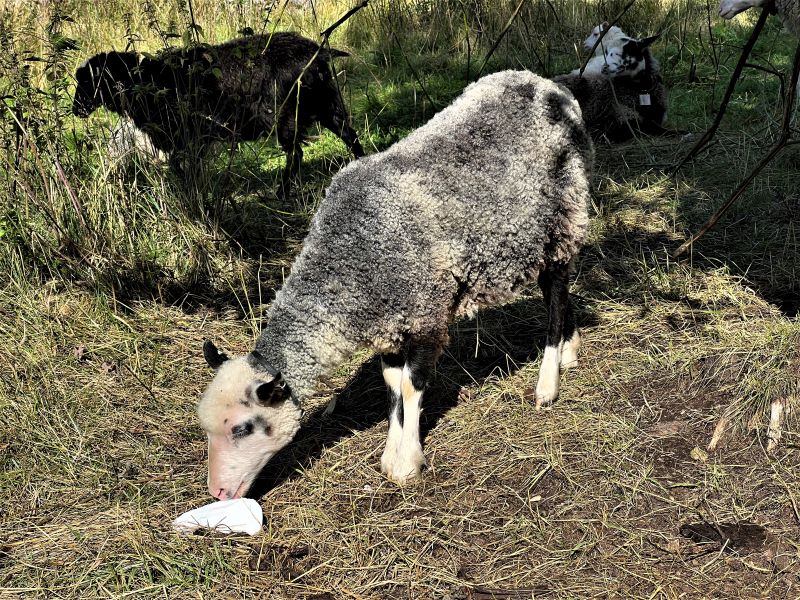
<point>111,276</point>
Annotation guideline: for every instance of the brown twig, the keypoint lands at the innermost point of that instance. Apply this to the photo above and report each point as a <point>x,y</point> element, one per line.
<point>783,141</point>
<point>771,71</point>
<point>604,32</point>
<point>327,33</point>
<point>708,136</point>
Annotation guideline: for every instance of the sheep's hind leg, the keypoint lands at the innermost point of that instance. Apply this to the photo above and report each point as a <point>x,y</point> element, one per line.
<point>392,366</point>
<point>554,281</point>
<point>410,460</point>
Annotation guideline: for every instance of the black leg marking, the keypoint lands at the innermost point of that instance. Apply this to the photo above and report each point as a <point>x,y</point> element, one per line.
<point>420,362</point>
<point>393,394</point>
<point>554,281</point>
<point>290,140</point>
<point>338,123</point>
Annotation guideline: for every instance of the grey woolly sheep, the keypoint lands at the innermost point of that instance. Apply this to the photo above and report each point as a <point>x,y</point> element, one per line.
<point>630,98</point>
<point>241,90</point>
<point>788,10</point>
<point>491,194</point>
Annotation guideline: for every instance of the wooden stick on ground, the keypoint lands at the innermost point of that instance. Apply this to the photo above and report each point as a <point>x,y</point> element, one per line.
<point>783,141</point>
<point>709,135</point>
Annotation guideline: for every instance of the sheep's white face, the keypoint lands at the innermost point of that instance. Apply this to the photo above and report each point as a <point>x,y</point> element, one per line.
<point>611,37</point>
<point>590,41</point>
<point>248,417</point>
<point>615,62</point>
<point>628,59</point>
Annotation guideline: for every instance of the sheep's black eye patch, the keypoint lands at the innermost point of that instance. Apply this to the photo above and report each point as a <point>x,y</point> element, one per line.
<point>243,430</point>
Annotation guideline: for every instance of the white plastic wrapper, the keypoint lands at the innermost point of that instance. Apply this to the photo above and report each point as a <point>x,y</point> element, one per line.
<point>242,515</point>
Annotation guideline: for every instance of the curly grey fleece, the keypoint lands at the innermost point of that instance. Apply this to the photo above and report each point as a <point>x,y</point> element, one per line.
<point>460,214</point>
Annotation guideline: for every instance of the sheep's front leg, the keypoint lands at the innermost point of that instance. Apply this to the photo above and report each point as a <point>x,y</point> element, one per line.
<point>409,459</point>
<point>392,366</point>
<point>563,339</point>
<point>339,124</point>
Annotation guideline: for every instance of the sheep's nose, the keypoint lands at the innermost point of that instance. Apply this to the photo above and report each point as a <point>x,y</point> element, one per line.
<point>218,493</point>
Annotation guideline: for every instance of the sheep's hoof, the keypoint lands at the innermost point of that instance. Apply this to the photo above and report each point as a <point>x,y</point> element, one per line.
<point>405,469</point>
<point>387,460</point>
<point>569,352</point>
<point>545,394</point>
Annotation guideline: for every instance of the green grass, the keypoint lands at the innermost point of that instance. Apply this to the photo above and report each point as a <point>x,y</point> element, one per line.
<point>111,279</point>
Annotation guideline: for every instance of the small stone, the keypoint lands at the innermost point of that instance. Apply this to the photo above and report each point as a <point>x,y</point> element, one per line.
<point>698,454</point>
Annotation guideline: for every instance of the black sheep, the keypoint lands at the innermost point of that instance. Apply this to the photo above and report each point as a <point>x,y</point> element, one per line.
<point>190,97</point>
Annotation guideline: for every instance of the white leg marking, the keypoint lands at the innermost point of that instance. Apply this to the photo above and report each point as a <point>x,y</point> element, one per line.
<point>569,351</point>
<point>774,429</point>
<point>409,460</point>
<point>389,455</point>
<point>393,377</point>
<point>547,386</point>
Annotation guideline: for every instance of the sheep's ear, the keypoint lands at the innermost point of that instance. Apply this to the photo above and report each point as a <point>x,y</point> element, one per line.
<point>272,392</point>
<point>644,43</point>
<point>96,63</point>
<point>603,25</point>
<point>213,357</point>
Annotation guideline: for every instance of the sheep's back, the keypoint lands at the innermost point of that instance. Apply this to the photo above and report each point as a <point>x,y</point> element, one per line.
<point>465,209</point>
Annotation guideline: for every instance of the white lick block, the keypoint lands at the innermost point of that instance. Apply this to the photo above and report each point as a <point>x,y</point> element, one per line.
<point>242,515</point>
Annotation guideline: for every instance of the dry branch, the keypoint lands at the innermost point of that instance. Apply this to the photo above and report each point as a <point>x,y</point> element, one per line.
<point>708,136</point>
<point>783,141</point>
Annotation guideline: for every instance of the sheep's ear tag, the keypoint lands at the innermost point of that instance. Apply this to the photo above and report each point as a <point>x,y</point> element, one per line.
<point>644,99</point>
<point>272,392</point>
<point>213,357</point>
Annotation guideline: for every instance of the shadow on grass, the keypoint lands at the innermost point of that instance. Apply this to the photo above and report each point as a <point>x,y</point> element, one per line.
<point>511,336</point>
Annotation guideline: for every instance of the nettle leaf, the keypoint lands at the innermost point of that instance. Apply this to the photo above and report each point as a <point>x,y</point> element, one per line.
<point>61,42</point>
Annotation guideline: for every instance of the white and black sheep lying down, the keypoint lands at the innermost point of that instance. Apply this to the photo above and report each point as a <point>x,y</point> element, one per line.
<point>491,194</point>
<point>627,97</point>
<point>241,90</point>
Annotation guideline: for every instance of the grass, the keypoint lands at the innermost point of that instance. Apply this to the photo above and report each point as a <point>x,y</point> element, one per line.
<point>110,280</point>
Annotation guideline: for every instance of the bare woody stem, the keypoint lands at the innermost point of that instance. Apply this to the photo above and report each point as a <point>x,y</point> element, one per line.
<point>709,135</point>
<point>783,141</point>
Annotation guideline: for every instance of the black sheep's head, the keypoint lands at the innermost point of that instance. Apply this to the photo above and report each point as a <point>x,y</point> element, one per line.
<point>100,79</point>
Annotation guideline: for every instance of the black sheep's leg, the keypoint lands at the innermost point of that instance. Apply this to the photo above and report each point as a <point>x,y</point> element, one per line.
<point>337,121</point>
<point>554,281</point>
<point>392,367</point>
<point>290,140</point>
